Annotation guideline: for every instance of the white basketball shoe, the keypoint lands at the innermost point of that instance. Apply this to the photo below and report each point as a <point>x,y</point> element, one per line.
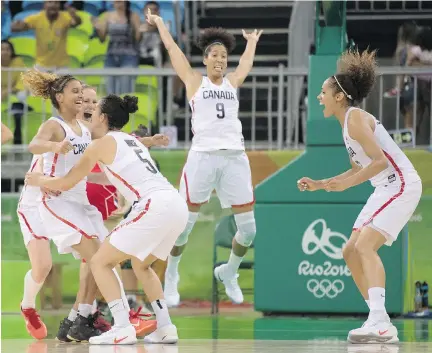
<point>376,329</point>
<point>232,288</point>
<point>164,335</point>
<point>117,335</point>
<point>171,294</point>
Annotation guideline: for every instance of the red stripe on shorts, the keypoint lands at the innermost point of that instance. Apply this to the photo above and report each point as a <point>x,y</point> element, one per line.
<point>187,193</point>
<point>53,166</point>
<point>67,222</point>
<point>138,217</point>
<point>394,197</point>
<point>245,204</point>
<point>30,228</point>
<point>129,186</point>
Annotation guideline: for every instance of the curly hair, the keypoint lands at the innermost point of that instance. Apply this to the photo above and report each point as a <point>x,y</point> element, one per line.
<point>214,35</point>
<point>356,74</point>
<point>118,109</point>
<point>45,85</point>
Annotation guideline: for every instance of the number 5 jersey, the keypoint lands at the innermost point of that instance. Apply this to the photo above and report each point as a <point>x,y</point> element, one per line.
<point>133,172</point>
<point>215,121</point>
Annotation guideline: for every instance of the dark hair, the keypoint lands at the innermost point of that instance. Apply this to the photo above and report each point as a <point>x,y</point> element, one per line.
<point>424,38</point>
<point>118,109</point>
<point>11,47</point>
<point>142,131</point>
<point>152,3</point>
<point>355,75</point>
<point>46,85</point>
<point>212,36</point>
<point>408,32</point>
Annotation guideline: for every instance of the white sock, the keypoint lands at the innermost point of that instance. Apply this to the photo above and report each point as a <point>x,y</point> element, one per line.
<point>31,290</point>
<point>122,292</point>
<point>368,303</point>
<point>73,315</point>
<point>377,299</point>
<point>172,266</point>
<point>94,307</point>
<point>234,263</point>
<point>161,311</point>
<point>119,312</point>
<point>85,309</point>
<point>131,297</point>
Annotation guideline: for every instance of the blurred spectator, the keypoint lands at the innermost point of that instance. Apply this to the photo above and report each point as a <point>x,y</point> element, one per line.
<point>51,26</point>
<point>406,36</point>
<point>151,47</point>
<point>122,26</point>
<point>420,55</point>
<point>10,60</point>
<point>5,21</point>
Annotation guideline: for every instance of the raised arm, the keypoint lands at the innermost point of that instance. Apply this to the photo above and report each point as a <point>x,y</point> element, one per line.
<point>246,61</point>
<point>178,59</point>
<point>76,20</point>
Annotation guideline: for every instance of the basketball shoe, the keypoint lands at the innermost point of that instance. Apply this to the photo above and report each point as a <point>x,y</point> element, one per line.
<point>164,335</point>
<point>376,329</point>
<point>34,325</point>
<point>117,335</point>
<point>142,327</point>
<point>232,288</point>
<point>83,329</point>
<point>63,330</point>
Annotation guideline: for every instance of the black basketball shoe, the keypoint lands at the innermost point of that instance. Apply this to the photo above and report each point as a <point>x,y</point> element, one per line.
<point>63,330</point>
<point>82,329</point>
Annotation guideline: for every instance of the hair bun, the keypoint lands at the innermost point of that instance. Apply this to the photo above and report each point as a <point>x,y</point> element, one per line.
<point>130,104</point>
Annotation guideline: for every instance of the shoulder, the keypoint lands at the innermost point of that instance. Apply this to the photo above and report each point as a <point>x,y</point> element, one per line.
<point>359,122</point>
<point>35,17</point>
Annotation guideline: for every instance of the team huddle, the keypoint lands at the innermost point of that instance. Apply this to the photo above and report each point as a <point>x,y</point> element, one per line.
<point>54,205</point>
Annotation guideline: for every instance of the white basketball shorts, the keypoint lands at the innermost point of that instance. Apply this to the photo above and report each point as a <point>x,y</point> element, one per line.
<point>66,222</point>
<point>227,172</point>
<point>31,224</point>
<point>389,209</point>
<point>152,227</point>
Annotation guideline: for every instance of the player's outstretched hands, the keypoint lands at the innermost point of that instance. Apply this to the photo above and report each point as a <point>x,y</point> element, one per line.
<point>255,35</point>
<point>63,147</point>
<point>160,140</point>
<point>151,19</point>
<point>307,184</point>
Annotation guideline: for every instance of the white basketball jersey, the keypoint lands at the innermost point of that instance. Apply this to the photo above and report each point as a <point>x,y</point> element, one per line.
<point>400,169</point>
<point>133,171</point>
<point>30,195</point>
<point>215,121</point>
<point>60,164</point>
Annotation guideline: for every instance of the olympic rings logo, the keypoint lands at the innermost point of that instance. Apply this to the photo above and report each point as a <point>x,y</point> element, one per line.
<point>325,288</point>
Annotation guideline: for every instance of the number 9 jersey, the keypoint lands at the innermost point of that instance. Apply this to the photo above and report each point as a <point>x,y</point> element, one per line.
<point>133,171</point>
<point>215,121</point>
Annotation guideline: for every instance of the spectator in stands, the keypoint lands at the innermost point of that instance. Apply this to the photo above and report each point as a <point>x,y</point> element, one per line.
<point>51,26</point>
<point>151,47</point>
<point>5,21</point>
<point>10,60</point>
<point>420,55</point>
<point>122,26</point>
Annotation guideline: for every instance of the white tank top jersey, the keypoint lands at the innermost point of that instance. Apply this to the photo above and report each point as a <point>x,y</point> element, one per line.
<point>60,164</point>
<point>400,169</point>
<point>215,121</point>
<point>133,172</point>
<point>30,195</point>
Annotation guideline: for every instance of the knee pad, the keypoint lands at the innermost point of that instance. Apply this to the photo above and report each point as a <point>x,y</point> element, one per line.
<point>183,238</point>
<point>246,228</point>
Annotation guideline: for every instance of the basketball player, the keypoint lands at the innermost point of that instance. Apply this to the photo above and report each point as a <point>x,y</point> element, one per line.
<point>217,159</point>
<point>158,217</point>
<point>376,157</point>
<point>75,226</point>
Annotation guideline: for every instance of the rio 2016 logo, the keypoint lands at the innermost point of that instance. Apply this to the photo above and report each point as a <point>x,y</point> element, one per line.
<point>329,243</point>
